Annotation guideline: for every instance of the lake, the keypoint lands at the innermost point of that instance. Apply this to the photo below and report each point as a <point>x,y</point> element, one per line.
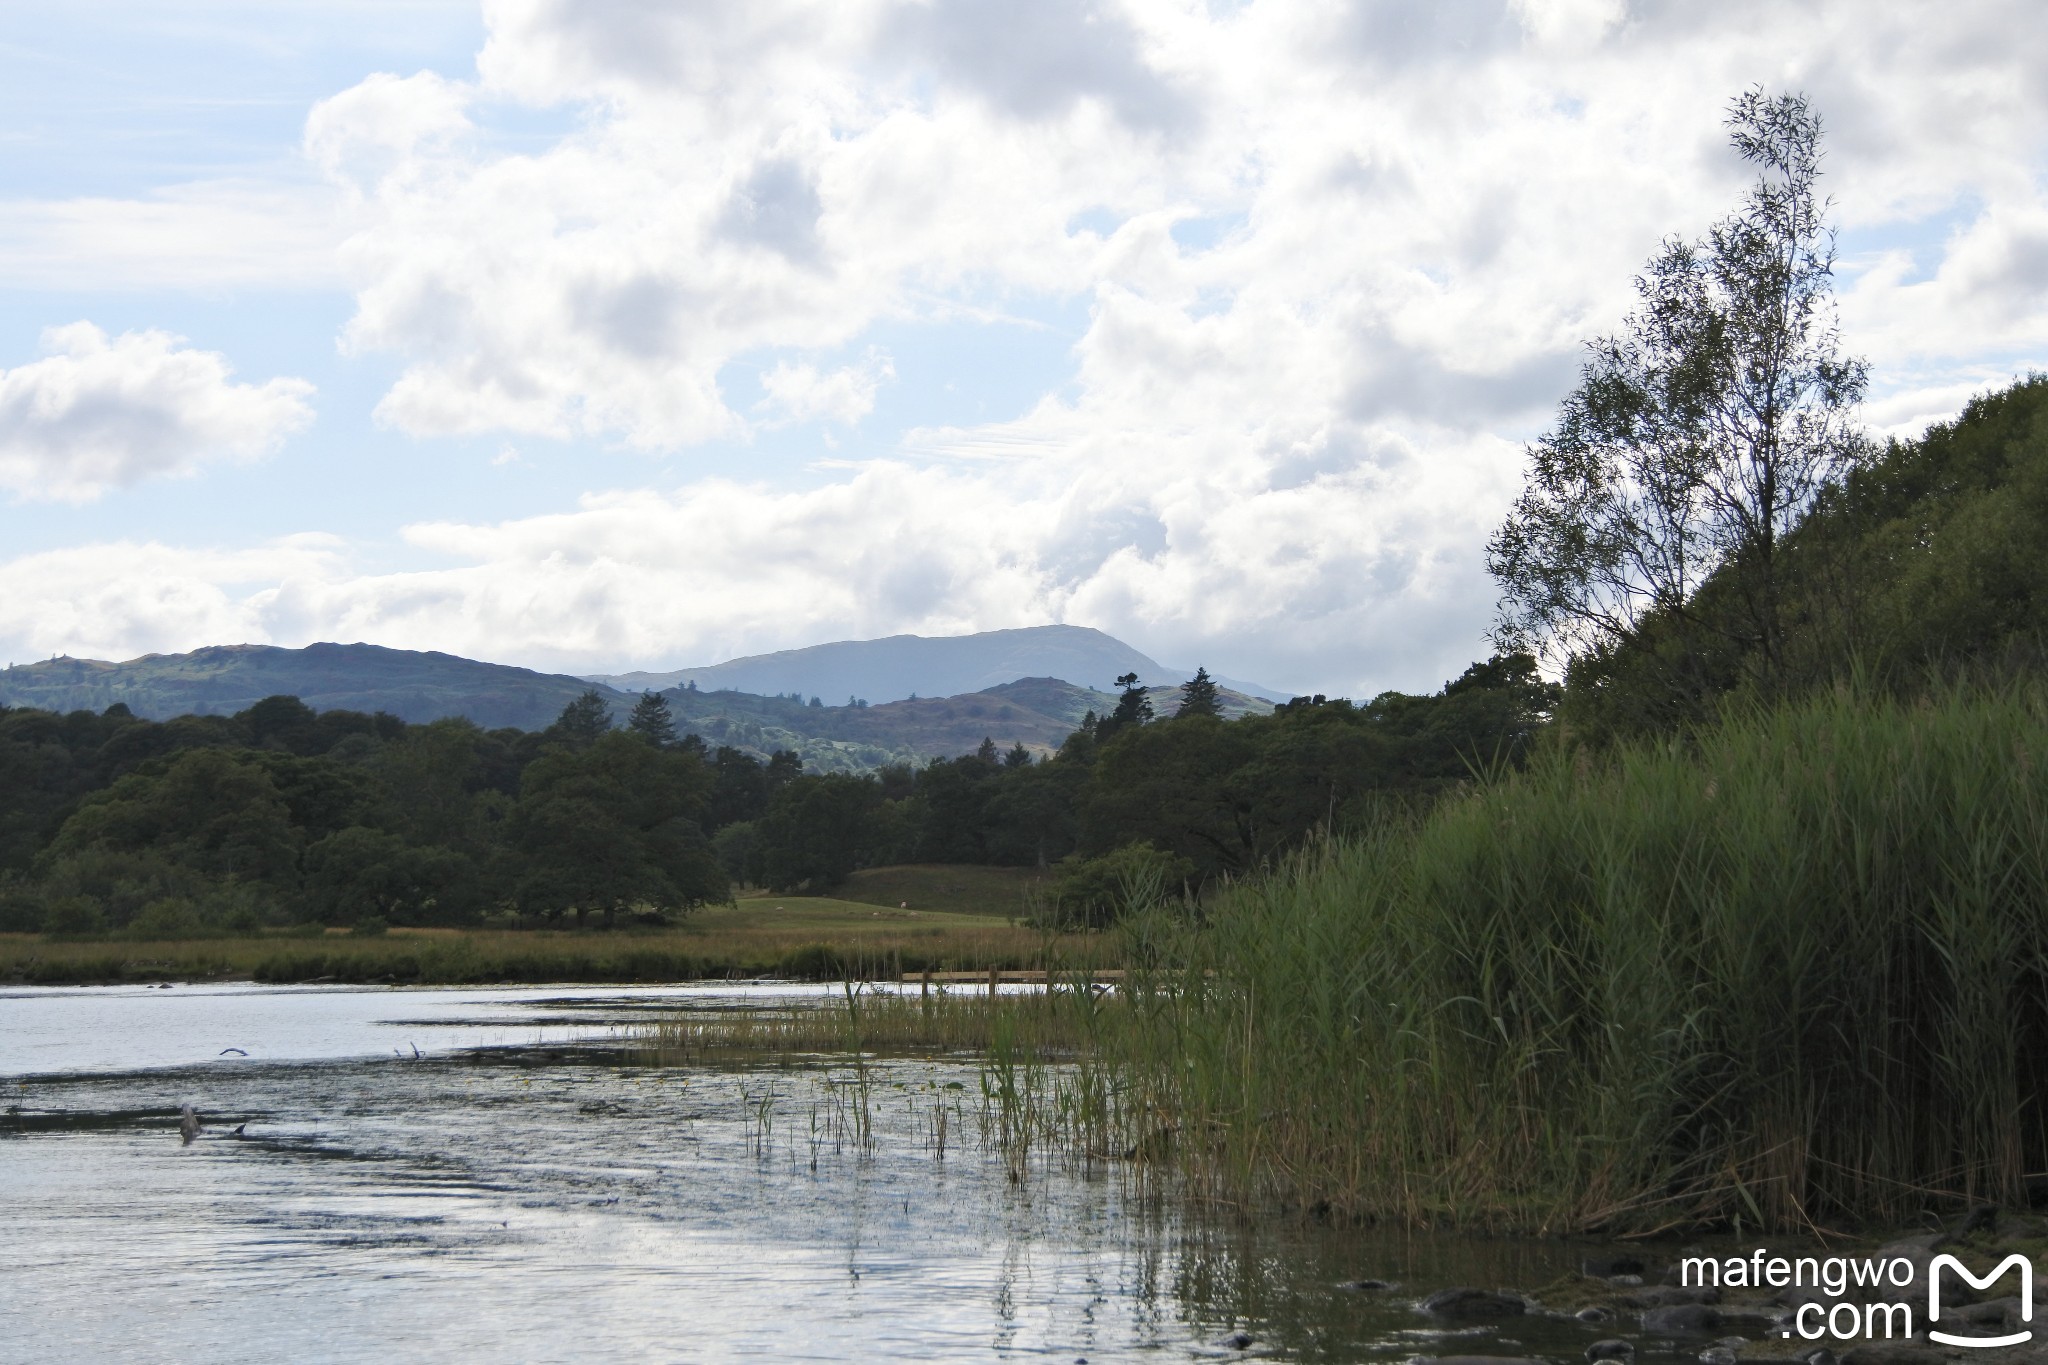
<point>466,1174</point>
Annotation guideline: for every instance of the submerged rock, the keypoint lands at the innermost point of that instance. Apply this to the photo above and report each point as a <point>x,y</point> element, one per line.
<point>1595,1313</point>
<point>1613,1348</point>
<point>1473,1303</point>
<point>1366,1286</point>
<point>1717,1355</point>
<point>1237,1341</point>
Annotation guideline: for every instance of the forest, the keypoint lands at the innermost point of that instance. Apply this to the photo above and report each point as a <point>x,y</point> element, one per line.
<point>281,815</point>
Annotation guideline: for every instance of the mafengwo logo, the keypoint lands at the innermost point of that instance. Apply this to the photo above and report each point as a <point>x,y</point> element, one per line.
<point>2012,1262</point>
<point>1864,1316</point>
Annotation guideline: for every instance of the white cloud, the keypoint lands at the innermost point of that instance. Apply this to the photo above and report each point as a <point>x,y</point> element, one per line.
<point>98,413</point>
<point>219,234</point>
<point>1336,260</point>
<point>126,598</point>
<point>802,394</point>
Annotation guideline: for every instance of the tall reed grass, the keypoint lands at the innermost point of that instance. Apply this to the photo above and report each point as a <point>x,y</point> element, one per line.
<point>1792,971</point>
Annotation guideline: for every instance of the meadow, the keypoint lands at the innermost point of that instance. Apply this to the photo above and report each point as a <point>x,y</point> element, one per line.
<point>804,937</point>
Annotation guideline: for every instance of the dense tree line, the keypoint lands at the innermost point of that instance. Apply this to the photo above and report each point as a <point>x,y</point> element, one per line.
<point>279,814</point>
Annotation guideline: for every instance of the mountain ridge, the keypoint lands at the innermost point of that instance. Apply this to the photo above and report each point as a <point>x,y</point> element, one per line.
<point>421,686</point>
<point>898,667</point>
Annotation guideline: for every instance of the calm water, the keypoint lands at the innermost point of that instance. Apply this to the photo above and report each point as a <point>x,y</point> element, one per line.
<point>521,1189</point>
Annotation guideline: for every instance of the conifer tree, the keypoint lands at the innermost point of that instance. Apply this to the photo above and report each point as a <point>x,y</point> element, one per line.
<point>1133,707</point>
<point>583,721</point>
<point>1198,696</point>
<point>651,720</point>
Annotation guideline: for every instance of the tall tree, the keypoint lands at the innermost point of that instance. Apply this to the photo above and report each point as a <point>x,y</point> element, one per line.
<point>1698,436</point>
<point>583,721</point>
<point>651,720</point>
<point>1198,696</point>
<point>1133,707</point>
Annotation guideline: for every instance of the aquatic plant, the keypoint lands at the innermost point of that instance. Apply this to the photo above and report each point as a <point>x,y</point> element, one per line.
<point>1793,970</point>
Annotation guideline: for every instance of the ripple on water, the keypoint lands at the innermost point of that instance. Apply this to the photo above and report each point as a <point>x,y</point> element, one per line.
<point>547,1201</point>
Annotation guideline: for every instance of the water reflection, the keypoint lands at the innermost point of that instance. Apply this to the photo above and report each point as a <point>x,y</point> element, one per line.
<point>547,1197</point>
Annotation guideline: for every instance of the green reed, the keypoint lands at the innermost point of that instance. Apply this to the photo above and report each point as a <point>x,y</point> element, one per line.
<point>1796,970</point>
<point>1790,973</point>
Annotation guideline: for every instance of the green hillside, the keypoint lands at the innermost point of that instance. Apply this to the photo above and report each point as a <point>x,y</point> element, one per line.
<point>1038,713</point>
<point>224,680</point>
<point>221,680</point>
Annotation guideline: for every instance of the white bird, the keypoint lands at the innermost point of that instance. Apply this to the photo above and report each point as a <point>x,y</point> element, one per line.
<point>188,1126</point>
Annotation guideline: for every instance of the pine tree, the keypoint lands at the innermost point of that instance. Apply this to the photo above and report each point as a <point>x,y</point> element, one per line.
<point>1133,707</point>
<point>1198,696</point>
<point>651,720</point>
<point>583,721</point>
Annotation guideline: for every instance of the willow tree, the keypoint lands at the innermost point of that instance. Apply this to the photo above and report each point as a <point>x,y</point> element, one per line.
<point>1700,434</point>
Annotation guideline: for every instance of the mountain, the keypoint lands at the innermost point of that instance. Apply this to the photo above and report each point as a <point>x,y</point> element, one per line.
<point>903,666</point>
<point>224,679</point>
<point>1037,712</point>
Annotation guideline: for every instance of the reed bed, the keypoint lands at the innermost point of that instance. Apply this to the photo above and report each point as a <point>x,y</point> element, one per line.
<point>1792,972</point>
<point>1788,975</point>
<point>1047,1090</point>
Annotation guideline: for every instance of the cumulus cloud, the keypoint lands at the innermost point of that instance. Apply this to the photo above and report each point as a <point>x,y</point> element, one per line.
<point>802,394</point>
<point>720,568</point>
<point>1336,259</point>
<point>99,412</point>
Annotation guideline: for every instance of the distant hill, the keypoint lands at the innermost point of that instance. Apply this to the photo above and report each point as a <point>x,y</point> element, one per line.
<point>223,679</point>
<point>1037,712</point>
<point>903,666</point>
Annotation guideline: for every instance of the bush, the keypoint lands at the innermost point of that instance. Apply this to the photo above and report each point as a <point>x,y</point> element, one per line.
<point>371,926</point>
<point>73,917</point>
<point>1095,892</point>
<point>169,918</point>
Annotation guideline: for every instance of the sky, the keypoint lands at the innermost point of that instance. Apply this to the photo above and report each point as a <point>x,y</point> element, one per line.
<point>596,335</point>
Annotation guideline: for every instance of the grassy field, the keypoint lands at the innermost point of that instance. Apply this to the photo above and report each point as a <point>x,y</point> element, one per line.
<point>1005,892</point>
<point>958,919</point>
<point>810,937</point>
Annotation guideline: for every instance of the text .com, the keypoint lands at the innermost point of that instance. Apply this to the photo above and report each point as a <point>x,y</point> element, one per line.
<point>1884,1290</point>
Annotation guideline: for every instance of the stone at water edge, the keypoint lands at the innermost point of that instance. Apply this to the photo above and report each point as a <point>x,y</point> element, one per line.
<point>1681,1317</point>
<point>1607,1267</point>
<point>1717,1355</point>
<point>1613,1348</point>
<point>1894,1355</point>
<point>1237,1341</point>
<point>1473,1303</point>
<point>1595,1314</point>
<point>1664,1296</point>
